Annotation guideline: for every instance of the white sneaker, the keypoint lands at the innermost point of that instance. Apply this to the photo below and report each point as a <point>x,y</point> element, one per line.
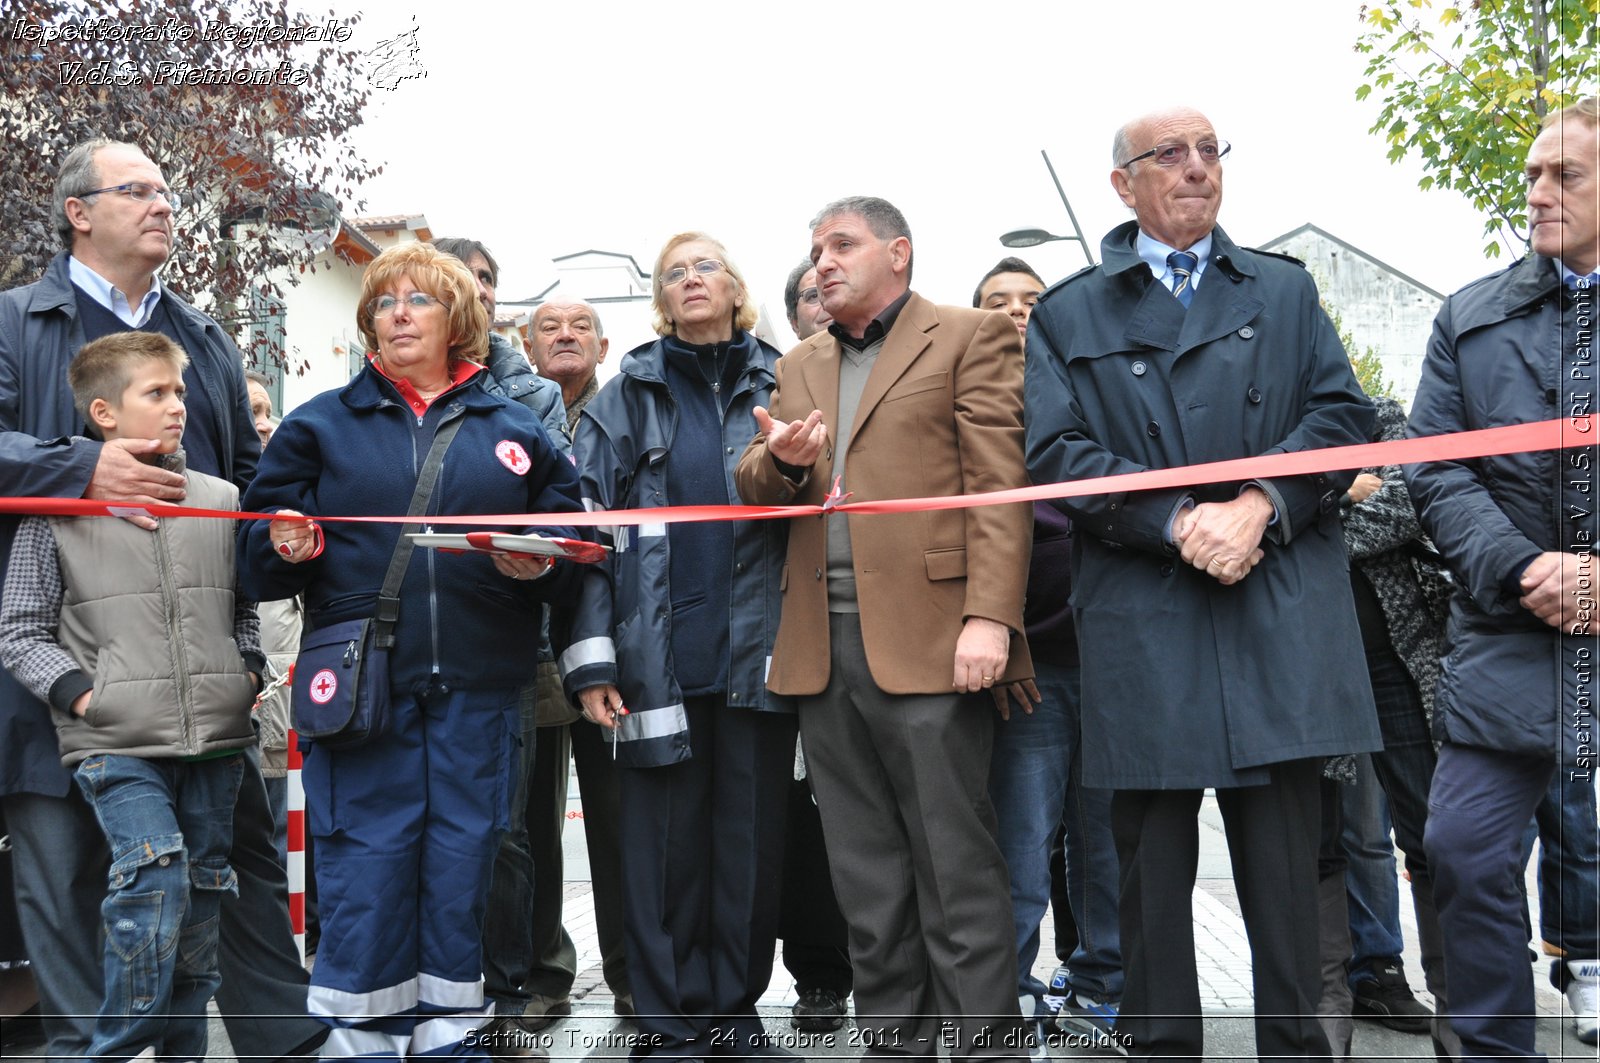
<point>1583,997</point>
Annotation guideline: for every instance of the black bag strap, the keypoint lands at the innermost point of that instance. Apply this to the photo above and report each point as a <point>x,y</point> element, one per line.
<point>389,597</point>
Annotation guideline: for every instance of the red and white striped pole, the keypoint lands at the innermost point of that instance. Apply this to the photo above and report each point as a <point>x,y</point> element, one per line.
<point>297,843</point>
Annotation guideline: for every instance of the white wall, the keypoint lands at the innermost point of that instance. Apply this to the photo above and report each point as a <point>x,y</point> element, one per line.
<point>1378,307</point>
<point>320,328</point>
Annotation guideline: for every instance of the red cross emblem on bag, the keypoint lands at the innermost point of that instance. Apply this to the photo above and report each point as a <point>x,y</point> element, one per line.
<point>324,685</point>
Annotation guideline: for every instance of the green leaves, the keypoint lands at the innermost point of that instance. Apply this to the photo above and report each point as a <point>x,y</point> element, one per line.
<point>1471,106</point>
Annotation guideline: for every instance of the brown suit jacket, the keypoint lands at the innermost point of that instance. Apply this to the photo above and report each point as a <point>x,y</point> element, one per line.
<point>941,414</point>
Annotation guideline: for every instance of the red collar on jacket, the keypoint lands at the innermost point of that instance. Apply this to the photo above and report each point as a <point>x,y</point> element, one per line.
<point>463,372</point>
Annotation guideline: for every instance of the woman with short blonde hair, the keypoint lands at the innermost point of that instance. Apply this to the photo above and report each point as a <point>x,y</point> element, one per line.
<point>667,650</point>
<point>407,824</point>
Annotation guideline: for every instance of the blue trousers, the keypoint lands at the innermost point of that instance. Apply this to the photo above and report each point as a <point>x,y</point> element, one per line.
<point>702,844</point>
<point>508,935</point>
<point>1477,810</point>
<point>406,831</point>
<point>169,824</point>
<point>1569,885</point>
<point>1371,880</point>
<point>1034,783</point>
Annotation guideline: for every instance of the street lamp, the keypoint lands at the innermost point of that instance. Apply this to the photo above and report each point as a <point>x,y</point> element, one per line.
<point>1035,237</point>
<point>1030,237</point>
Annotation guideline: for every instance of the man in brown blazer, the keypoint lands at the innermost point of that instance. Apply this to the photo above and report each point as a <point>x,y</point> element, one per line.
<point>896,626</point>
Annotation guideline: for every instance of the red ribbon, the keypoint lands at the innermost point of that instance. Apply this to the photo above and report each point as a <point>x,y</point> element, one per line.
<point>1511,439</point>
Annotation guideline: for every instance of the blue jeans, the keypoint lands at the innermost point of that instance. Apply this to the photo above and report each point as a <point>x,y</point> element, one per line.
<point>169,824</point>
<point>1569,905</point>
<point>1033,784</point>
<point>1372,885</point>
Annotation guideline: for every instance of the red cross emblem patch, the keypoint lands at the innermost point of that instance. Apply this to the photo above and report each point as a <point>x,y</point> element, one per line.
<point>512,456</point>
<point>324,685</point>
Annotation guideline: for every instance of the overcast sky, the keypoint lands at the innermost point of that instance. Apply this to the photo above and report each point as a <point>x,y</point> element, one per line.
<point>551,128</point>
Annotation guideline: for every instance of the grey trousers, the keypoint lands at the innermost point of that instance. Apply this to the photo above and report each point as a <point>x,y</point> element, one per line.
<point>902,785</point>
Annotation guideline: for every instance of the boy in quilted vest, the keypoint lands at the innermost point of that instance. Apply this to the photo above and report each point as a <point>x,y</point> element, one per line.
<point>150,661</point>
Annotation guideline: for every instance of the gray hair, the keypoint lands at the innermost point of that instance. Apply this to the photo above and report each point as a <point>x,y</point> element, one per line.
<point>881,216</point>
<point>791,290</point>
<point>1121,146</point>
<point>78,175</point>
<point>594,315</point>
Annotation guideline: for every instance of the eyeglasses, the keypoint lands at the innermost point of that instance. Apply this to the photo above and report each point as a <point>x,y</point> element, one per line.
<point>1211,151</point>
<point>139,192</point>
<point>810,297</point>
<point>384,305</point>
<point>705,267</point>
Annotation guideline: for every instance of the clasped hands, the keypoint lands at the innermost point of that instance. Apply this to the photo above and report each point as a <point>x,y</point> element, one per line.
<point>1223,539</point>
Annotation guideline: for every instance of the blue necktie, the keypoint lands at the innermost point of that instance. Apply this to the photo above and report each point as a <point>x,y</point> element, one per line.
<point>1593,280</point>
<point>1182,264</point>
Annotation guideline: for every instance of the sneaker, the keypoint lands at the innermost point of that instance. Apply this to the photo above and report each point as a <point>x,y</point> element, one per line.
<point>818,1011</point>
<point>1037,1032</point>
<point>1095,1019</point>
<point>1387,998</point>
<point>1058,991</point>
<point>1583,997</point>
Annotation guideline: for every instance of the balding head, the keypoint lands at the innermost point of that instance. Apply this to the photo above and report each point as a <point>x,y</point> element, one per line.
<point>1168,169</point>
<point>567,344</point>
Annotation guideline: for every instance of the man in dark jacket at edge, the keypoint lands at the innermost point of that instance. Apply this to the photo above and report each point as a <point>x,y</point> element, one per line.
<point>1515,701</point>
<point>1218,637</point>
<point>114,213</point>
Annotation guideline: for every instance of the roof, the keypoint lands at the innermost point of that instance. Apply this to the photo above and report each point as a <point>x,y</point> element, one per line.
<point>637,297</point>
<point>1353,249</point>
<point>416,222</point>
<point>354,243</point>
<point>609,254</point>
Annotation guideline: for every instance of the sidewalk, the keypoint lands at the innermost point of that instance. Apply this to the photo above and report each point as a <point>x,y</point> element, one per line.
<point>1222,953</point>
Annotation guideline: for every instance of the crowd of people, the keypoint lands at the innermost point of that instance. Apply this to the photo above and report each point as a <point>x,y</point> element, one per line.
<point>891,739</point>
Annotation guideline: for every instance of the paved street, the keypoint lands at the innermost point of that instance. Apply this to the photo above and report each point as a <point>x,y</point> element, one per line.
<point>592,1032</point>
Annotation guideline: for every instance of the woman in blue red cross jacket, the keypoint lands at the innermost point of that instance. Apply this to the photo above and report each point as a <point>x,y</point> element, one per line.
<point>405,827</point>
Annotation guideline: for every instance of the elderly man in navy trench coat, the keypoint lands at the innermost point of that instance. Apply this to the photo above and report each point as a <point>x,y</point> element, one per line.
<point>1218,636</point>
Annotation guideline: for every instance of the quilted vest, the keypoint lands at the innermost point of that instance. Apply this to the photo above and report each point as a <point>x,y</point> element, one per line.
<point>148,616</point>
